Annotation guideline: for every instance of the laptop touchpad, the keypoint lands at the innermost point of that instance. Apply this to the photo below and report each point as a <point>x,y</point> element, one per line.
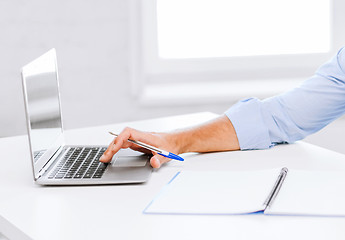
<point>127,158</point>
<point>130,161</point>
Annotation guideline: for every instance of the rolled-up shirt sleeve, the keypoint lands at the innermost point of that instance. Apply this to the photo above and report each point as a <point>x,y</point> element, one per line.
<point>295,114</point>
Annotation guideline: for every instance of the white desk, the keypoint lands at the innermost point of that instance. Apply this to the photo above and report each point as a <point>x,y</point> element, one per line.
<point>28,211</point>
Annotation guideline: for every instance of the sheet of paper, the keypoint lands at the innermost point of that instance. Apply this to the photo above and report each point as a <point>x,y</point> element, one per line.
<point>225,192</point>
<point>311,193</point>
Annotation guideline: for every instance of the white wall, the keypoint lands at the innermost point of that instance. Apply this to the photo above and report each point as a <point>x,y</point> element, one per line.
<point>331,137</point>
<point>92,42</point>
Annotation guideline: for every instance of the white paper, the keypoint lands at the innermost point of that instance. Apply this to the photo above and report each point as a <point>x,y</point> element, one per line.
<point>230,192</point>
<point>311,193</point>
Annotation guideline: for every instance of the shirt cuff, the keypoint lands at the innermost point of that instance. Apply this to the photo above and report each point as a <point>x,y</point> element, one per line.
<point>247,119</point>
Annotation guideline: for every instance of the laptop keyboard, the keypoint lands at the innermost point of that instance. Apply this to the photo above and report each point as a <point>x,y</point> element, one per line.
<point>80,162</point>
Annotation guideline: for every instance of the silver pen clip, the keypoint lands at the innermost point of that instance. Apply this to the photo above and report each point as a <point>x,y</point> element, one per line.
<point>276,188</point>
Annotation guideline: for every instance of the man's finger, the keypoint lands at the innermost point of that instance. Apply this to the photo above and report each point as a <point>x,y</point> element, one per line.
<point>108,154</point>
<point>157,160</point>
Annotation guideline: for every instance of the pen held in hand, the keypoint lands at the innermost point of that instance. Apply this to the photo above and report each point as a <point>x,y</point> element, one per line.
<point>154,149</point>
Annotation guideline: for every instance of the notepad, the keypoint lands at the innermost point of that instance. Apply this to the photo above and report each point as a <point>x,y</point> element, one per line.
<point>273,191</point>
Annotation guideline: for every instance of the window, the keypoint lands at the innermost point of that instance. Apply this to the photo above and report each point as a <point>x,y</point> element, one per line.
<point>177,43</point>
<point>230,28</point>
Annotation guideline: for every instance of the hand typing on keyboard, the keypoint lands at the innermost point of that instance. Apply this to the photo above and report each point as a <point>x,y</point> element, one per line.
<point>217,134</point>
<point>160,140</point>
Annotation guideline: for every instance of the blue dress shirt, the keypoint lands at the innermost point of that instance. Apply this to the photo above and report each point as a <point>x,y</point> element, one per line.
<point>295,114</point>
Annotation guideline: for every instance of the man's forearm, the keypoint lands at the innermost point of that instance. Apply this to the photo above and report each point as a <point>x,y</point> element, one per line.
<point>215,135</point>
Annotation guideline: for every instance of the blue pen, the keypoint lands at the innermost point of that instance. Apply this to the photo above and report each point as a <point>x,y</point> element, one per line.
<point>154,149</point>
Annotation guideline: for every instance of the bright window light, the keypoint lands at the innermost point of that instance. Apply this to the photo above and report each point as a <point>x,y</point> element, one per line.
<point>228,28</point>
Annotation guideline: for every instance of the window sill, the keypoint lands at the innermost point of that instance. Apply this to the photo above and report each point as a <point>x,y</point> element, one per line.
<point>162,94</point>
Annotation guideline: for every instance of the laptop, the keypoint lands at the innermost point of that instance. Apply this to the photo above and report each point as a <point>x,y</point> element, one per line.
<point>53,162</point>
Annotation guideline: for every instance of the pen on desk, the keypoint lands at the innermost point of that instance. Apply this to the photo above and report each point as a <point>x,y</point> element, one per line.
<point>154,149</point>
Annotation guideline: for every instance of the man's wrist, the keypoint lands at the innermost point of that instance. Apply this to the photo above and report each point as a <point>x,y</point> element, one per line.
<point>177,141</point>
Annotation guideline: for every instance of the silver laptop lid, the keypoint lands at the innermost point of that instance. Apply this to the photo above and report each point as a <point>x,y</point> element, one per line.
<point>42,104</point>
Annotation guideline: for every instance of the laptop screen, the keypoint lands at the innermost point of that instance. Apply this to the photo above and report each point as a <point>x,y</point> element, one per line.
<point>41,94</point>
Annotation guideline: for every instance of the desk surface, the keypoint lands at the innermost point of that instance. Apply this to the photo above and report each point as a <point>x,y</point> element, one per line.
<point>28,211</point>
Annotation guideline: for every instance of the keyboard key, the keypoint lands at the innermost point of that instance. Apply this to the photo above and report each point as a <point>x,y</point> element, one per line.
<point>97,176</point>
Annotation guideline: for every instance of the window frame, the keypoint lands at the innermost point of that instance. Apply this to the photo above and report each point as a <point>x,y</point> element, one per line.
<point>148,71</point>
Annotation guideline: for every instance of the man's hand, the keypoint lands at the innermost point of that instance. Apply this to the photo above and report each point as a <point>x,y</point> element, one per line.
<point>159,140</point>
